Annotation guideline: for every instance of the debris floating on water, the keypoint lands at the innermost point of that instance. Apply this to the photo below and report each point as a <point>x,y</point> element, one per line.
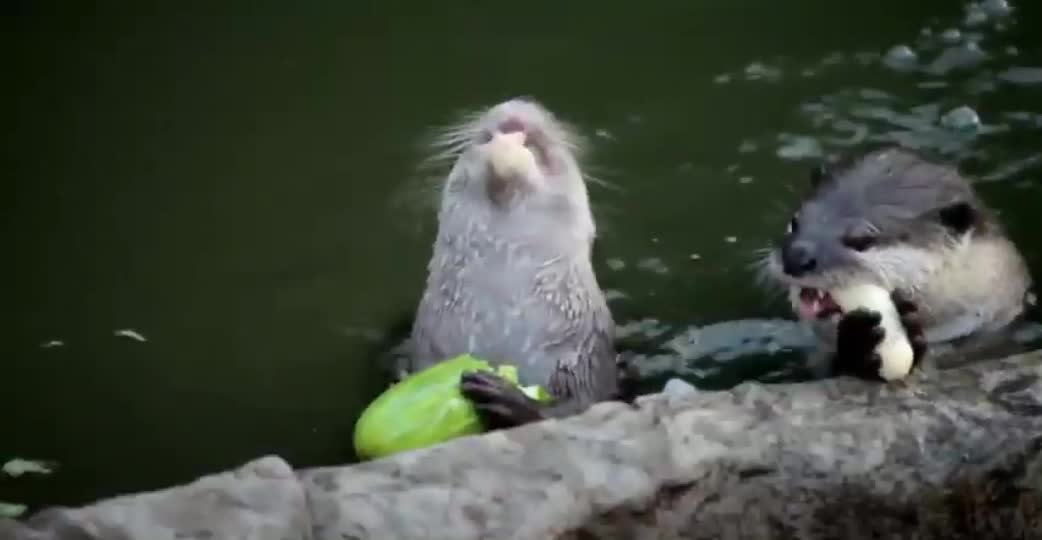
<point>747,147</point>
<point>723,78</point>
<point>833,59</point>
<point>745,180</point>
<point>731,239</point>
<point>694,256</point>
<point>653,264</point>
<point>758,70</point>
<point>961,118</point>
<point>615,264</point>
<point>130,334</point>
<point>52,344</point>
<point>603,133</point>
<point>18,466</point>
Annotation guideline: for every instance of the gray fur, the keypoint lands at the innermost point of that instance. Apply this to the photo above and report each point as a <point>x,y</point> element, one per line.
<point>963,282</point>
<point>510,279</point>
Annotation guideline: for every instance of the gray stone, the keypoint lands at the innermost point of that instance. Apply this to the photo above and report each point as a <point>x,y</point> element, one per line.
<point>678,388</point>
<point>261,500</point>
<point>952,454</point>
<point>835,459</point>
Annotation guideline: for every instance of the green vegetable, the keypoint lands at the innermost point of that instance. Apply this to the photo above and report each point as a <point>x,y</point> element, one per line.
<point>426,408</point>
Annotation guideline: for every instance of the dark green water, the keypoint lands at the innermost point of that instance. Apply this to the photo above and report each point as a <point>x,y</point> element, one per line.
<point>238,187</point>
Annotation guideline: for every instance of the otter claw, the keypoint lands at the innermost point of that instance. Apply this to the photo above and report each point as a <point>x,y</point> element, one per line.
<point>499,404</point>
<point>628,380</point>
<point>912,323</point>
<point>857,335</point>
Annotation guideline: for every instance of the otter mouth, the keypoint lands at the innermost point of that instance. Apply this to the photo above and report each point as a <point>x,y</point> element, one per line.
<point>817,304</point>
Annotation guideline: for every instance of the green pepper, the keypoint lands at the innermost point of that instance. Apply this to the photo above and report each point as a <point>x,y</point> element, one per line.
<point>427,408</point>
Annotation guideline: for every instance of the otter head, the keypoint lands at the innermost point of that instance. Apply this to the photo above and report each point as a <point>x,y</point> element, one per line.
<point>889,218</point>
<point>516,166</point>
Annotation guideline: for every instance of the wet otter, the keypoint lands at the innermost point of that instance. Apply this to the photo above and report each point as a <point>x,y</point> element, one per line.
<point>914,227</point>
<point>510,279</point>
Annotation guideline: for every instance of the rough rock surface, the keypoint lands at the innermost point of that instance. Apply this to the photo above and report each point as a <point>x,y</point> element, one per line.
<point>261,500</point>
<point>947,454</point>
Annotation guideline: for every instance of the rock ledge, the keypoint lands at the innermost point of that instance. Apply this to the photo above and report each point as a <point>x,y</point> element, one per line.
<point>947,454</point>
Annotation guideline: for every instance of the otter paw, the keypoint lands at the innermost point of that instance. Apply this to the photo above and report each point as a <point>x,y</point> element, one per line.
<point>628,380</point>
<point>857,335</point>
<point>499,404</point>
<point>913,325</point>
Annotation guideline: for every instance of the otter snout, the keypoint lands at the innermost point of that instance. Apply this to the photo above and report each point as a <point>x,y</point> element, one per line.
<point>798,258</point>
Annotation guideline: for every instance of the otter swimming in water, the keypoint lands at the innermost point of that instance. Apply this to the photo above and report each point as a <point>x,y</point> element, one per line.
<point>913,227</point>
<point>510,279</point>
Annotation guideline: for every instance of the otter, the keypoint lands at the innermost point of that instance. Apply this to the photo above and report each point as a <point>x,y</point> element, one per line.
<point>915,227</point>
<point>510,279</point>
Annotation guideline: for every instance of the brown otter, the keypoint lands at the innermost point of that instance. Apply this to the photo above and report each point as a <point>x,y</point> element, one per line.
<point>510,279</point>
<point>913,227</point>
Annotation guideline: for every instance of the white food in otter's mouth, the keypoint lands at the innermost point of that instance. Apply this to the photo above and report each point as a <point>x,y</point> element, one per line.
<point>895,351</point>
<point>508,156</point>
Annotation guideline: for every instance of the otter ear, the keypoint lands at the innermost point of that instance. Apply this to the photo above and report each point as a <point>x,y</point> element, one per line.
<point>959,217</point>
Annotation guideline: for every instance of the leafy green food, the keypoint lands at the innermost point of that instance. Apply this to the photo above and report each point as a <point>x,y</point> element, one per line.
<point>426,408</point>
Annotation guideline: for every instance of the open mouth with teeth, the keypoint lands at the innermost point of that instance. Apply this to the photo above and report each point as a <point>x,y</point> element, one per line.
<point>817,304</point>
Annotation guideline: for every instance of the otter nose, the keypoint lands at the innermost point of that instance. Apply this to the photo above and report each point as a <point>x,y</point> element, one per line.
<point>511,125</point>
<point>798,258</point>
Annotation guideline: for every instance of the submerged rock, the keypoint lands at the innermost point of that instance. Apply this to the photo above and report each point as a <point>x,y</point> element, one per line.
<point>950,454</point>
<point>996,8</point>
<point>963,56</point>
<point>1022,75</point>
<point>900,57</point>
<point>951,36</point>
<point>961,119</point>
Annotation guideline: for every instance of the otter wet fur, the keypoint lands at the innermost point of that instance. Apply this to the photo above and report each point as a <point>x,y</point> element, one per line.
<point>510,279</point>
<point>913,227</point>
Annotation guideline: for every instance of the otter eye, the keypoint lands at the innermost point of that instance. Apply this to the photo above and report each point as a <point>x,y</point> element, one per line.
<point>860,242</point>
